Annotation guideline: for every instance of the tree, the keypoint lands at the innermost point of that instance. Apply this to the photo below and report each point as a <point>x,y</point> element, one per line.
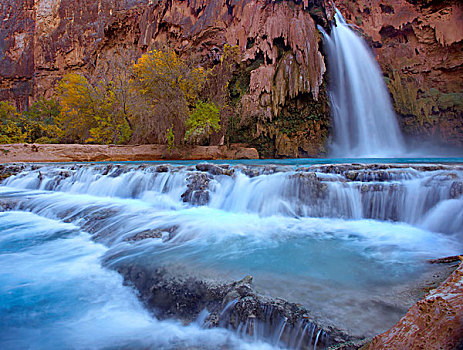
<point>39,121</point>
<point>168,88</point>
<point>216,89</point>
<point>10,130</point>
<point>78,108</point>
<point>91,113</point>
<point>204,119</point>
<point>35,125</point>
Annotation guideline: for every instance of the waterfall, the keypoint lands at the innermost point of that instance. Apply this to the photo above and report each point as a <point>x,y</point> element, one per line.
<point>365,124</point>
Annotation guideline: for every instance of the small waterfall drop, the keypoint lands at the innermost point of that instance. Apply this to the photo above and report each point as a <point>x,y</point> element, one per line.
<point>365,124</point>
<point>338,237</point>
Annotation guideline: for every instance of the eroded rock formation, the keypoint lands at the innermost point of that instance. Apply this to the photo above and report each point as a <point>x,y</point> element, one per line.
<point>281,75</point>
<point>435,322</point>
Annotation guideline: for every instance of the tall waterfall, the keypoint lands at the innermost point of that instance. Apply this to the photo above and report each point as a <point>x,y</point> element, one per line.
<point>365,124</point>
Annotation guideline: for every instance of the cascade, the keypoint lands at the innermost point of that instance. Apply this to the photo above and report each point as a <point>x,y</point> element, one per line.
<point>383,192</point>
<point>365,124</point>
<point>342,239</point>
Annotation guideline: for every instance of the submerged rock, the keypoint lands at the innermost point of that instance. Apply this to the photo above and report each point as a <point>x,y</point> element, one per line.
<point>157,233</point>
<point>7,170</point>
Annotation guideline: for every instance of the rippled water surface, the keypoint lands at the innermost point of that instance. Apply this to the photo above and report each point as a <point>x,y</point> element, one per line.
<point>345,244</point>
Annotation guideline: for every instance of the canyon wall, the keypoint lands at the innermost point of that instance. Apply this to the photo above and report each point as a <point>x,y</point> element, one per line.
<point>419,45</point>
<point>278,91</point>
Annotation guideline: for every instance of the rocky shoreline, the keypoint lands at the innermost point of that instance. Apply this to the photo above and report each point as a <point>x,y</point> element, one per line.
<point>30,153</point>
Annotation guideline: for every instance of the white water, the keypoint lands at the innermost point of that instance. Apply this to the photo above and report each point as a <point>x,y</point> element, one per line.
<point>320,236</point>
<point>365,124</point>
<point>54,294</point>
<point>397,193</point>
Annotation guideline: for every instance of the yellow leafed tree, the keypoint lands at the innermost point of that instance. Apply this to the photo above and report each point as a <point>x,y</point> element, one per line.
<point>10,130</point>
<point>91,113</point>
<point>78,108</point>
<point>169,87</point>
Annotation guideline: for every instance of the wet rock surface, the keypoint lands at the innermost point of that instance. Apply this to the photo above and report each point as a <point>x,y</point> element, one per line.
<point>435,322</point>
<point>235,305</point>
<point>214,169</point>
<point>197,192</point>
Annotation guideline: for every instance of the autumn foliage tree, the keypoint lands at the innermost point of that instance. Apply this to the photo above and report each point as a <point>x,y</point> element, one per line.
<point>168,88</point>
<point>10,131</point>
<point>181,99</point>
<point>160,98</point>
<point>35,125</point>
<point>91,114</point>
<point>39,122</point>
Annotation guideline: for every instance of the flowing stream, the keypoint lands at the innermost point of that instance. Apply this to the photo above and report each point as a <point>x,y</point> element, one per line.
<point>348,242</point>
<point>365,123</point>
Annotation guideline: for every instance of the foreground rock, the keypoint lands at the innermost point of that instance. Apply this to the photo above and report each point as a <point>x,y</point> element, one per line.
<point>435,322</point>
<point>170,292</point>
<point>94,153</point>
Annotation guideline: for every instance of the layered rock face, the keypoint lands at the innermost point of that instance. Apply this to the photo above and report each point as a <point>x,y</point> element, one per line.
<point>17,23</point>
<point>280,78</point>
<point>419,45</point>
<point>436,322</point>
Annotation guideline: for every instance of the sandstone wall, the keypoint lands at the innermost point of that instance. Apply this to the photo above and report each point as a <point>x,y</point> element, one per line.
<point>282,63</point>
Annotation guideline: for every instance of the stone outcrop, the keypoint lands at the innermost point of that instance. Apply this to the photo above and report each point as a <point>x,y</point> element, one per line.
<point>435,322</point>
<point>419,46</point>
<point>171,292</point>
<point>282,64</point>
<point>94,153</point>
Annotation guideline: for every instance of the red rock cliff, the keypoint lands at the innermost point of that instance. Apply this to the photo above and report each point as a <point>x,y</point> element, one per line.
<point>44,39</point>
<point>279,89</point>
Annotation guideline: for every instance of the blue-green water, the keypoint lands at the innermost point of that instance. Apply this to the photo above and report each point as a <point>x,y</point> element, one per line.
<point>346,249</point>
<point>299,161</point>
